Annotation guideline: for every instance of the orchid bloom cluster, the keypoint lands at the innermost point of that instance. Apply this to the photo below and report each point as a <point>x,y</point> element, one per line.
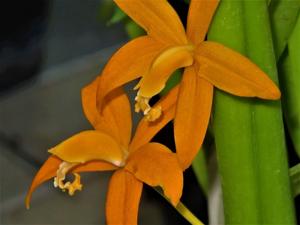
<point>153,57</point>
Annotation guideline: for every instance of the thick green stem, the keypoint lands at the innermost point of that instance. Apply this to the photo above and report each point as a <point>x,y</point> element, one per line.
<point>249,133</point>
<point>233,128</point>
<point>275,196</point>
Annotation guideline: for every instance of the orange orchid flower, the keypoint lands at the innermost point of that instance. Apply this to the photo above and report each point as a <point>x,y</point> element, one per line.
<point>167,47</point>
<point>108,147</point>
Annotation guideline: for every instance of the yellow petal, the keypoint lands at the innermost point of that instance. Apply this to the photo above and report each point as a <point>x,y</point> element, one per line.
<point>123,198</point>
<point>192,115</point>
<point>87,146</point>
<point>234,73</point>
<point>156,165</point>
<point>199,18</point>
<point>164,65</point>
<point>50,167</point>
<point>146,130</point>
<point>158,18</point>
<point>128,63</point>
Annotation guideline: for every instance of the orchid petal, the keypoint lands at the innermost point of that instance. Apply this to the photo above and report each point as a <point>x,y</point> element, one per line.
<point>146,130</point>
<point>88,146</point>
<point>162,68</point>
<point>234,73</point>
<point>88,99</point>
<point>157,18</point>
<point>46,172</point>
<point>123,198</point>
<point>50,167</point>
<point>113,121</point>
<point>192,115</point>
<point>117,107</point>
<point>156,165</point>
<point>199,18</point>
<point>128,63</point>
<point>93,166</point>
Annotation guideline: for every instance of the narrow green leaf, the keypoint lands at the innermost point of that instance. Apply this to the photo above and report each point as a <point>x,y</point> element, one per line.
<point>283,17</point>
<point>117,16</point>
<point>295,179</point>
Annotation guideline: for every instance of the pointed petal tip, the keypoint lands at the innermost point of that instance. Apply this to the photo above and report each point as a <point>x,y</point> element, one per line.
<point>276,94</point>
<point>272,94</point>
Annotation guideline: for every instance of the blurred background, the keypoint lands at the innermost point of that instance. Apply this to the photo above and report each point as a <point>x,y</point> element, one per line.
<point>49,50</point>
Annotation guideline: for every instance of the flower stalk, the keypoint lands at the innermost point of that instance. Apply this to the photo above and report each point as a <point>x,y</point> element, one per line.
<point>182,210</point>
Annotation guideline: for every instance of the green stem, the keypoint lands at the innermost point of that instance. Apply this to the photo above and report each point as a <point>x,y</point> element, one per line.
<point>187,214</point>
<point>233,128</point>
<point>249,133</point>
<point>182,210</point>
<point>275,196</point>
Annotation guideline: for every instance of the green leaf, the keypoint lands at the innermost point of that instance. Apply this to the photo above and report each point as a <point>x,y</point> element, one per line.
<point>295,179</point>
<point>117,16</point>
